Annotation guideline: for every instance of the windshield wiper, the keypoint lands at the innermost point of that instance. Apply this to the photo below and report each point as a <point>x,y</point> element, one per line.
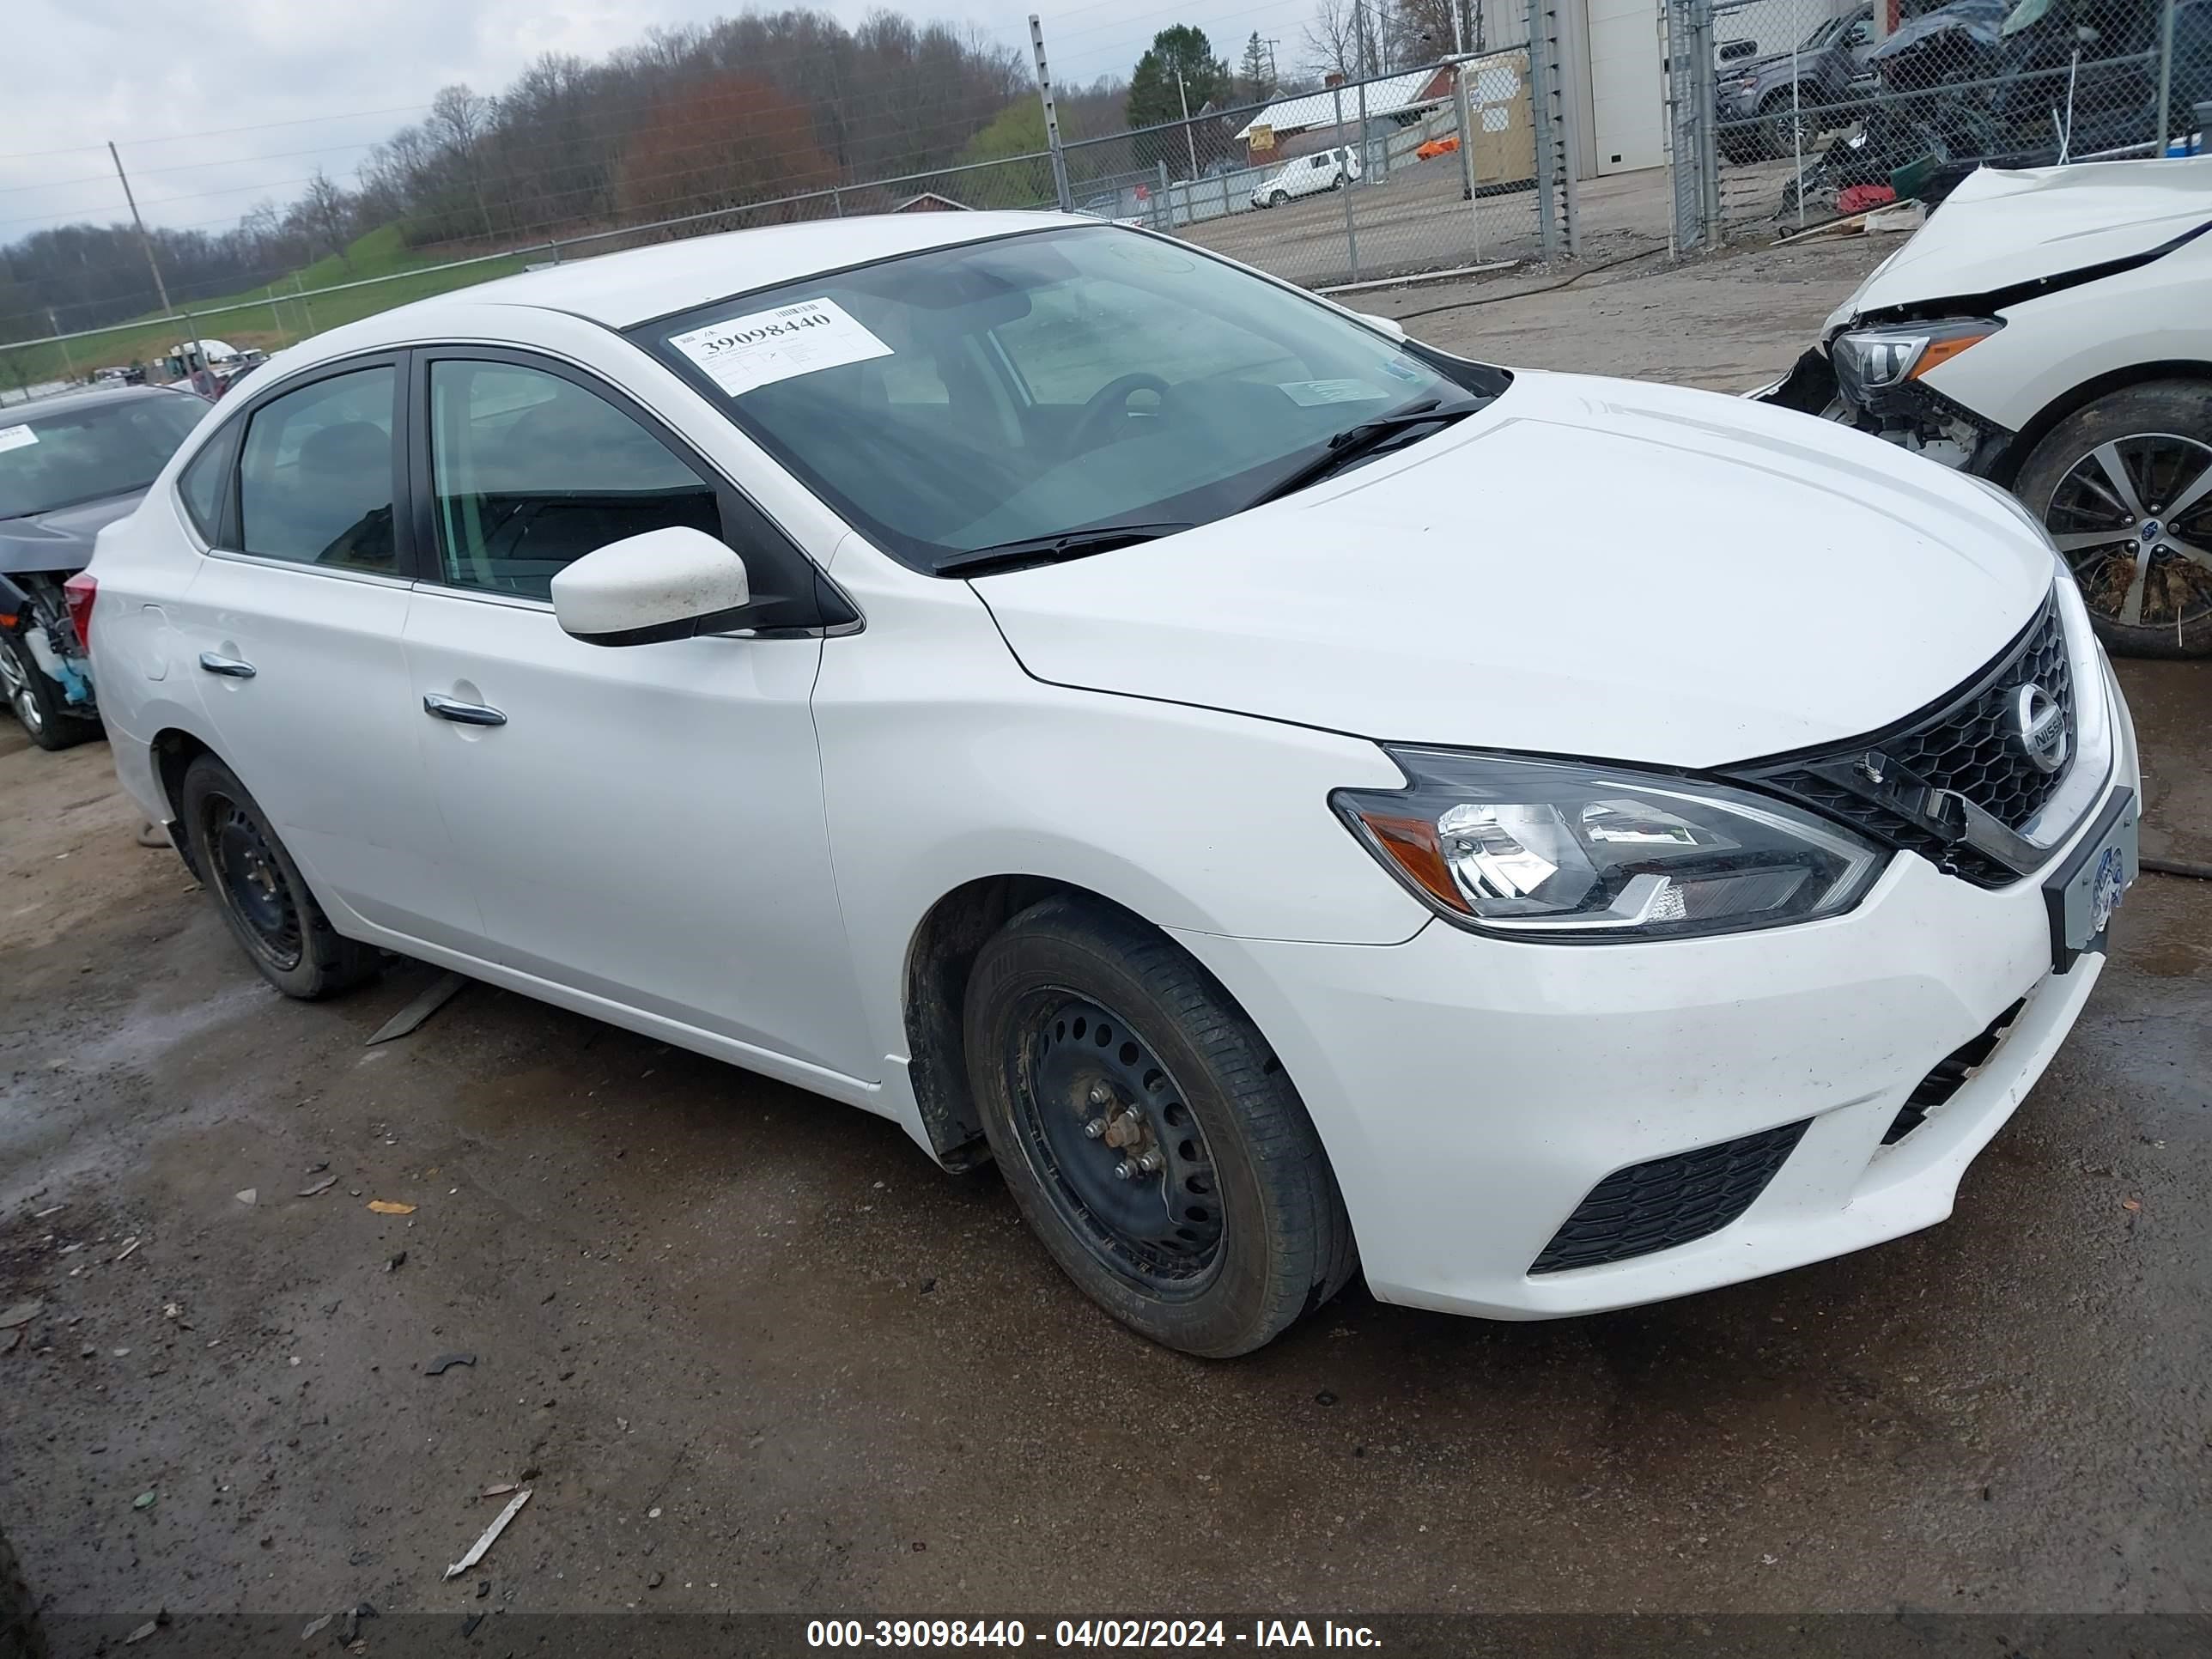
<point>1051,550</point>
<point>1355,443</point>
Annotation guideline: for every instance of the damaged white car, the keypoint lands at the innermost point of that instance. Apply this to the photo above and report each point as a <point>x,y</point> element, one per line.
<point>2050,331</point>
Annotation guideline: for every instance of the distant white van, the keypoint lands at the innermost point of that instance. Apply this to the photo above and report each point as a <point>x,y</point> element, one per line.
<point>1309,175</point>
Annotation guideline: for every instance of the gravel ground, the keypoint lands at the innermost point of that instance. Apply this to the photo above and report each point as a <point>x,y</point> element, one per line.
<point>753,1352</point>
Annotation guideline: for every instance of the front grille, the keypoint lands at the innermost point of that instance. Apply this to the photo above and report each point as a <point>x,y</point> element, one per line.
<point>1965,744</point>
<point>1949,1075</point>
<point>1669,1201</point>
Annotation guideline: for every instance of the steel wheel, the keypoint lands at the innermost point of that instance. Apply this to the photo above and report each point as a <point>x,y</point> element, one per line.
<point>252,885</point>
<point>2133,519</point>
<point>1120,1156</point>
<point>15,688</point>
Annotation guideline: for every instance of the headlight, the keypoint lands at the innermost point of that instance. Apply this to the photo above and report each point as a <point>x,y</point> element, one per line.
<point>1550,850</point>
<point>1875,358</point>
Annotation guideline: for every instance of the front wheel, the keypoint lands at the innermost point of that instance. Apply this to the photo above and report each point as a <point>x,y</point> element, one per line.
<point>37,701</point>
<point>2124,487</point>
<point>1152,1139</point>
<point>1278,198</point>
<point>260,891</point>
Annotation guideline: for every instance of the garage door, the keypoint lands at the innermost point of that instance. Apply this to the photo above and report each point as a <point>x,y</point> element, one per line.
<point>1626,89</point>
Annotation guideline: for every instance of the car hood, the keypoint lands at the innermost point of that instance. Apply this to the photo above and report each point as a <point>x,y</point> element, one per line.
<point>2001,228</point>
<point>60,540</point>
<point>1736,68</point>
<point>1588,567</point>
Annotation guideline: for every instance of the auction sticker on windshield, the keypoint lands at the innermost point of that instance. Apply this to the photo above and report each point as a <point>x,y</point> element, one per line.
<point>1310,393</point>
<point>745,353</point>
<point>14,437</point>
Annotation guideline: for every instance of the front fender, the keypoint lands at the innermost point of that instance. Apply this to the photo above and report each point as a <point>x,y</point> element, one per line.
<point>944,763</point>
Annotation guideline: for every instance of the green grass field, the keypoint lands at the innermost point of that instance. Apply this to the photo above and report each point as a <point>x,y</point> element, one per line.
<point>271,317</point>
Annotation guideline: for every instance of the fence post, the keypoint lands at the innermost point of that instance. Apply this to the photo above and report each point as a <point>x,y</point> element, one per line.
<point>2165,11</point>
<point>1465,118</point>
<point>1708,113</point>
<point>1351,231</point>
<point>1540,106</point>
<point>1051,118</point>
<point>837,200</point>
<point>1162,207</point>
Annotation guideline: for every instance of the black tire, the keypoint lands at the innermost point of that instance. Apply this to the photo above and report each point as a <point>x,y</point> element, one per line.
<point>1278,198</point>
<point>2161,433</point>
<point>1337,183</point>
<point>1275,1242</point>
<point>36,700</point>
<point>260,891</point>
<point>20,1634</point>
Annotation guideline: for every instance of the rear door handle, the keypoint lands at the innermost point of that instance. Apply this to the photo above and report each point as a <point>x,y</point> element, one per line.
<point>231,668</point>
<point>461,714</point>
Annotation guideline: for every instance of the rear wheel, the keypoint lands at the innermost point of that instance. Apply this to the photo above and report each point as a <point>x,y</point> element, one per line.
<point>1150,1138</point>
<point>260,891</point>
<point>37,701</point>
<point>2124,487</point>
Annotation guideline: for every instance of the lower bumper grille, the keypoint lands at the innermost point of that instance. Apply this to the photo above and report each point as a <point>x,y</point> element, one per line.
<point>1949,1075</point>
<point>1669,1201</point>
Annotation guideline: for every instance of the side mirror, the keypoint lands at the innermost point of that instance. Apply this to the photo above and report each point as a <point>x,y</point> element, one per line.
<point>664,585</point>
<point>1389,325</point>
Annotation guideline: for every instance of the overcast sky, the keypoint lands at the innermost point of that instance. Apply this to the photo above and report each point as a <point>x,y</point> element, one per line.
<point>314,82</point>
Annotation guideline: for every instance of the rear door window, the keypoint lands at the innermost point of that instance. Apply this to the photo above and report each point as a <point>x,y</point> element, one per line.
<point>315,477</point>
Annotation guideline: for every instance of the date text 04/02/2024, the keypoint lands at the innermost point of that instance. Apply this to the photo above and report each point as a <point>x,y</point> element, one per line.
<point>1086,1633</point>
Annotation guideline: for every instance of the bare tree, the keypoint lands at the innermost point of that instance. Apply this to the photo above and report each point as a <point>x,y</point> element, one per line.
<point>328,212</point>
<point>1332,40</point>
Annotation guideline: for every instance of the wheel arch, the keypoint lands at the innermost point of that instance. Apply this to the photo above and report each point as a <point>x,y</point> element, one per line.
<point>941,957</point>
<point>174,750</point>
<point>2076,399</point>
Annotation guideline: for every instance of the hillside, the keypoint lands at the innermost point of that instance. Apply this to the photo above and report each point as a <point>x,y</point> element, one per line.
<point>273,316</point>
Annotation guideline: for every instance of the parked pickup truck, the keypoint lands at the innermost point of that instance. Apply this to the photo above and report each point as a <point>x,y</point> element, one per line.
<point>1758,97</point>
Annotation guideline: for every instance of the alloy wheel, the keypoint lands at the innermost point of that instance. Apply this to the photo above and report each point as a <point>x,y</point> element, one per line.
<point>15,687</point>
<point>1117,1149</point>
<point>2133,520</point>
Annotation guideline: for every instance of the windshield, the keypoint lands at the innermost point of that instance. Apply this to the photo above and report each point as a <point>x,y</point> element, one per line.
<point>84,453</point>
<point>1037,385</point>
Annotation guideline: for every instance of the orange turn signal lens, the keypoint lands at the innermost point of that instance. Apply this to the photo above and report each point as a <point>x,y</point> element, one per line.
<point>1936,353</point>
<point>1412,846</point>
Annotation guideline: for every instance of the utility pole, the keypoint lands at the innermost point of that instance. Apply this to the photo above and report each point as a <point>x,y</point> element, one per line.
<point>160,288</point>
<point>1051,118</point>
<point>57,328</point>
<point>1189,142</point>
<point>145,241</point>
<point>1274,75</point>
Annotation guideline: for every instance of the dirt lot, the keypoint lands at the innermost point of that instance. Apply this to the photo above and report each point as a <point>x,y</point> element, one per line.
<point>761,1355</point>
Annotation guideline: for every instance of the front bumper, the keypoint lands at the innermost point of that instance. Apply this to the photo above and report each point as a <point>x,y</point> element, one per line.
<point>1472,1093</point>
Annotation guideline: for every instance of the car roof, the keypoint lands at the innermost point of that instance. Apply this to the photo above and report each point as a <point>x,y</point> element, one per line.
<point>621,289</point>
<point>69,402</point>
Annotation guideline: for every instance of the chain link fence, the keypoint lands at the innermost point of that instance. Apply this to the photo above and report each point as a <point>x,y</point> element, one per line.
<point>1784,113</point>
<point>1456,166</point>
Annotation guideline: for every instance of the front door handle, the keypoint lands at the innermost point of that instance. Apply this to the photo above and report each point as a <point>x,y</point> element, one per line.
<point>461,714</point>
<point>231,668</point>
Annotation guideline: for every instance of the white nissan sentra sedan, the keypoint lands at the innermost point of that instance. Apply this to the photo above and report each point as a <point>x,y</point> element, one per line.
<point>1299,802</point>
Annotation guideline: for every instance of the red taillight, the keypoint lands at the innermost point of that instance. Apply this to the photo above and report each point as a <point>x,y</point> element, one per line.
<point>80,590</point>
